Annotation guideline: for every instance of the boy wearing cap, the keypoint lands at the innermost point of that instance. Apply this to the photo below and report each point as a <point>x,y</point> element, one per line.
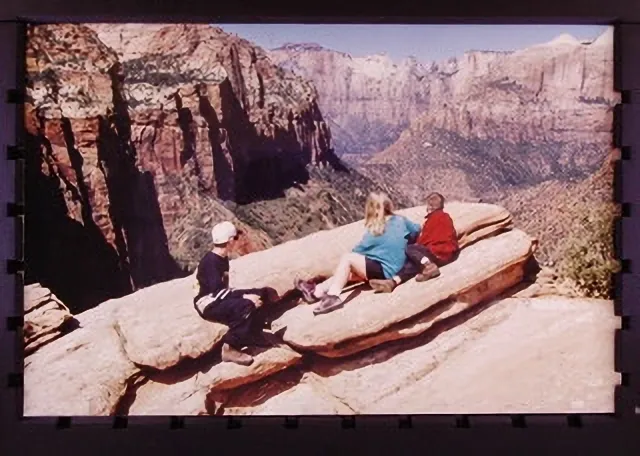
<point>216,301</point>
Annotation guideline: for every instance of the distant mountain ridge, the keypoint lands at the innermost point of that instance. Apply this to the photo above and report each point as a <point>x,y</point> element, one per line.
<point>546,111</point>
<point>302,47</point>
<point>519,128</point>
<point>371,100</point>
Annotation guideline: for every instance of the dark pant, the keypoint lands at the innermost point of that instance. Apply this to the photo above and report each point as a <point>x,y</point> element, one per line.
<point>240,315</point>
<point>413,265</point>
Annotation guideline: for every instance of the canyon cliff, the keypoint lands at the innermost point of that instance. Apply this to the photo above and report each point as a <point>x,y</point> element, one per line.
<point>498,121</point>
<point>367,101</point>
<point>140,139</point>
<point>471,125</point>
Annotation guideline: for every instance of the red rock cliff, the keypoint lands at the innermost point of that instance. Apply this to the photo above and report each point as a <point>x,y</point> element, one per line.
<point>130,155</point>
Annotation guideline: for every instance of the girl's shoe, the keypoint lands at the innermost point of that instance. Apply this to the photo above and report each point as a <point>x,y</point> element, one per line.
<point>307,289</point>
<point>328,304</point>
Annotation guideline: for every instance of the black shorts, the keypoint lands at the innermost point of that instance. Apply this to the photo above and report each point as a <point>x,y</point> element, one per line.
<point>373,269</point>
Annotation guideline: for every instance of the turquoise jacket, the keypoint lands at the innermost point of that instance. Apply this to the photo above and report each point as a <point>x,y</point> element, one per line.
<point>389,248</point>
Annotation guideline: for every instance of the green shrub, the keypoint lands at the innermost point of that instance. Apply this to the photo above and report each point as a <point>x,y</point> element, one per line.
<point>589,257</point>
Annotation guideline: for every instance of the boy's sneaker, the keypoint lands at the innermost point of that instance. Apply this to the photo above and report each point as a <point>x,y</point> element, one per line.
<point>430,271</point>
<point>383,285</point>
<point>231,355</point>
<point>328,304</point>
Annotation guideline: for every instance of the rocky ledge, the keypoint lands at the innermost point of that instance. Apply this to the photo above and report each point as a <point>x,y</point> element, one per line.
<point>150,353</point>
<point>45,317</point>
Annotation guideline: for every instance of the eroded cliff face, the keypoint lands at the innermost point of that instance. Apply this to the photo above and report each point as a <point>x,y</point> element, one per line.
<point>201,97</point>
<point>471,125</point>
<point>367,101</point>
<point>556,91</point>
<point>498,121</point>
<point>131,157</point>
<point>77,241</point>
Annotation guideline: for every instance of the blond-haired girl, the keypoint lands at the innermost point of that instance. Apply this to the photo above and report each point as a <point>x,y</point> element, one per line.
<point>379,255</point>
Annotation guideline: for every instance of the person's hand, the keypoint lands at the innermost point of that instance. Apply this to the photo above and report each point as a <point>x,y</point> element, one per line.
<point>253,298</point>
<point>271,295</point>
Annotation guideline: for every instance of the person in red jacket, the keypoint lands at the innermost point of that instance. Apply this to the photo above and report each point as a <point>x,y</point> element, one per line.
<point>436,245</point>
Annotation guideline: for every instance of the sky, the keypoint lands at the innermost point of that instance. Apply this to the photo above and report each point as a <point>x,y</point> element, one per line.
<point>424,42</point>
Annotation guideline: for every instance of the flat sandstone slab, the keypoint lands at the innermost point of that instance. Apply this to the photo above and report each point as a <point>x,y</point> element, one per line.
<point>537,355</point>
<point>370,313</point>
<point>159,326</point>
<point>318,254</point>
<point>86,372</point>
<point>164,394</point>
<point>443,313</point>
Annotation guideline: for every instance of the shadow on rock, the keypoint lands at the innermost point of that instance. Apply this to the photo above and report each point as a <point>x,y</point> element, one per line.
<point>287,301</point>
<point>255,394</point>
<point>328,367</point>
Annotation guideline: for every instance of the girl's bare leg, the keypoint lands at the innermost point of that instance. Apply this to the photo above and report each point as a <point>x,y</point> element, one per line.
<point>349,263</point>
<point>323,287</point>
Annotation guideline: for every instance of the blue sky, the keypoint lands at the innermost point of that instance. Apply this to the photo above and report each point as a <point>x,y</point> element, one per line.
<point>425,42</point>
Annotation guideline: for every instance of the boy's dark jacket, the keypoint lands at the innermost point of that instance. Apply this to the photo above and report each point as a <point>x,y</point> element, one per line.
<point>213,280</point>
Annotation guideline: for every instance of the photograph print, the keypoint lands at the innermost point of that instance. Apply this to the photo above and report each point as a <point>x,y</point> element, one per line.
<point>271,219</point>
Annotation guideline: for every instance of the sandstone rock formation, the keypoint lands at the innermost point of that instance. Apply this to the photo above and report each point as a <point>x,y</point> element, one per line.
<point>150,353</point>
<point>123,342</point>
<point>295,392</point>
<point>85,372</point>
<point>322,250</point>
<point>550,116</point>
<point>161,343</point>
<point>150,334</point>
<point>536,355</point>
<point>546,351</point>
<point>501,282</point>
<point>369,314</point>
<point>367,101</point>
<point>45,317</point>
<point>164,394</point>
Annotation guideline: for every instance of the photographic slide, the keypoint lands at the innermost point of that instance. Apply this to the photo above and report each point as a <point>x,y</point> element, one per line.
<point>289,219</point>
